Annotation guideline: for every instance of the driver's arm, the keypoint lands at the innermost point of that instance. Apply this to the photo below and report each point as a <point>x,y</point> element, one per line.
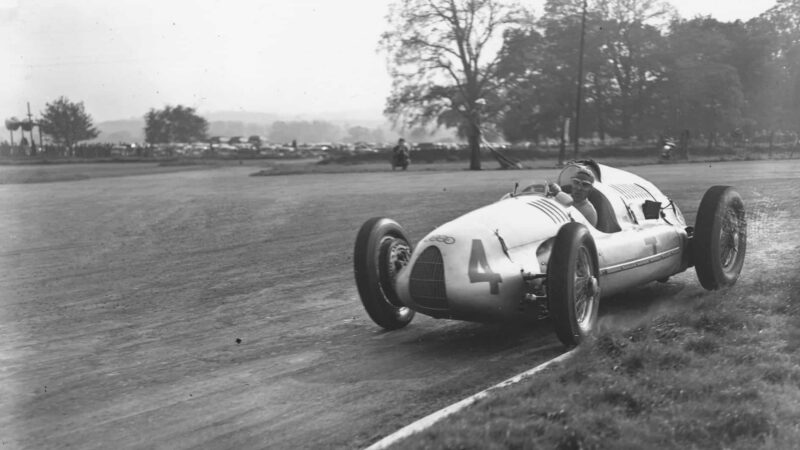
<point>559,195</point>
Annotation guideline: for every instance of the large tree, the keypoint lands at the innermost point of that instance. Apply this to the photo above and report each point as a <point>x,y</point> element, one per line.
<point>67,123</point>
<point>781,89</point>
<point>631,42</point>
<point>174,124</point>
<point>443,66</point>
<point>538,79</point>
<point>704,86</point>
<point>623,70</point>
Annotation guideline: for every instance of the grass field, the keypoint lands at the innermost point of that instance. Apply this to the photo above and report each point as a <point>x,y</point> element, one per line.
<point>213,309</point>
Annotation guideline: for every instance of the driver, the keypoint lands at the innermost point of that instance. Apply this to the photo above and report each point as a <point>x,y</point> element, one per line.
<point>582,185</point>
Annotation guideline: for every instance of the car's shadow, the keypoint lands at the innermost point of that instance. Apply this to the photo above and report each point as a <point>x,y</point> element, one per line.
<point>637,306</point>
<point>456,339</point>
<point>439,347</point>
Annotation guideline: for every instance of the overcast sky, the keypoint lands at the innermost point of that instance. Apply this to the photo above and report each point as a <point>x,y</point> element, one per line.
<point>123,57</point>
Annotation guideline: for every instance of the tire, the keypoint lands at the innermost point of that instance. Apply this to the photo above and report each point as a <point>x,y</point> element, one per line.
<point>573,290</point>
<point>381,250</point>
<point>720,238</point>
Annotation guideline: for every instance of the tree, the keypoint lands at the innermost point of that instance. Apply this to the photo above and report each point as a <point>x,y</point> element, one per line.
<point>67,123</point>
<point>443,68</point>
<point>358,134</point>
<point>538,76</point>
<point>623,71</point>
<point>705,89</point>
<point>631,43</point>
<point>174,124</point>
<point>781,89</point>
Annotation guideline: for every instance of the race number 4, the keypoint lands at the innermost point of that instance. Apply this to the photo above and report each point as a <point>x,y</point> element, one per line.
<point>479,270</point>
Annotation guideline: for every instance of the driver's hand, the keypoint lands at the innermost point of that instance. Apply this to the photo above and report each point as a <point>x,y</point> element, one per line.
<point>553,188</point>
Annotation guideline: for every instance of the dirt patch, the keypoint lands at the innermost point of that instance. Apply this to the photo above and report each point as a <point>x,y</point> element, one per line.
<point>50,173</point>
<point>122,299</point>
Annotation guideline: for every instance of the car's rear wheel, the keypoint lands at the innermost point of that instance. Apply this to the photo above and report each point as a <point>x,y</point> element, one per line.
<point>381,250</point>
<point>720,238</point>
<point>573,289</point>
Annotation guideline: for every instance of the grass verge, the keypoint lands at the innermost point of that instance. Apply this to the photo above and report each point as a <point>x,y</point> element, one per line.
<point>723,374</point>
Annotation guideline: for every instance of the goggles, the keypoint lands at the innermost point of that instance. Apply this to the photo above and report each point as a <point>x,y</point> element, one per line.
<point>584,183</point>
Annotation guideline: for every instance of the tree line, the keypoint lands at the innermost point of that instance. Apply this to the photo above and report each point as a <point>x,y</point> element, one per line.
<point>491,67</point>
<point>644,71</point>
<point>182,124</point>
<point>67,123</point>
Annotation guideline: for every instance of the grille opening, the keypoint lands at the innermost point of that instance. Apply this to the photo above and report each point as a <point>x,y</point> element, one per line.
<point>426,284</point>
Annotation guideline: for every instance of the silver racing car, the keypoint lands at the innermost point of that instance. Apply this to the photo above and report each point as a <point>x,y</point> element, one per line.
<point>527,256</point>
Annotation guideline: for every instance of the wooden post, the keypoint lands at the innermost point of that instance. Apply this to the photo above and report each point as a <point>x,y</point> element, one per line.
<point>30,132</point>
<point>579,99</point>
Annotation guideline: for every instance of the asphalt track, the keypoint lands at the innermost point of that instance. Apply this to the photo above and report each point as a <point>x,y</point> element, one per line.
<point>210,309</point>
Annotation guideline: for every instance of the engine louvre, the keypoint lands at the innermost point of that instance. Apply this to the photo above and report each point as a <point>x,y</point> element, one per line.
<point>551,211</point>
<point>426,283</point>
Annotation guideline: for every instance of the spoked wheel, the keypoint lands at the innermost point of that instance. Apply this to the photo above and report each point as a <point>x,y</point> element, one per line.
<point>573,289</point>
<point>381,250</point>
<point>720,238</point>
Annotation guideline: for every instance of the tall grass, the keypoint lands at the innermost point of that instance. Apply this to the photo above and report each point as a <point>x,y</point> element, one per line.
<point>724,373</point>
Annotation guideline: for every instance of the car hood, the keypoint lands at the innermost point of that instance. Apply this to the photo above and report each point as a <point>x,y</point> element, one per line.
<point>518,221</point>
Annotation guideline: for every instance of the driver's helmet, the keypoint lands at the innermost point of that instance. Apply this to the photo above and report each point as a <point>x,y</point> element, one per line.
<point>572,170</point>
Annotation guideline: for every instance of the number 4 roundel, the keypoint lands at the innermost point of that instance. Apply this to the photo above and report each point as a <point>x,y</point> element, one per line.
<point>479,270</point>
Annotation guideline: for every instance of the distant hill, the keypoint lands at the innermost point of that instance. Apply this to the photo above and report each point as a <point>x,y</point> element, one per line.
<point>246,123</point>
<point>129,130</point>
<point>241,116</point>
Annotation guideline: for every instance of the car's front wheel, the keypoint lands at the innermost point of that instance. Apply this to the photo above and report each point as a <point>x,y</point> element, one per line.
<point>720,238</point>
<point>381,250</point>
<point>573,288</point>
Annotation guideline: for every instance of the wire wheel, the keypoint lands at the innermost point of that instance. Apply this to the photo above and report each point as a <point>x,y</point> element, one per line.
<point>730,237</point>
<point>720,239</point>
<point>573,289</point>
<point>585,290</point>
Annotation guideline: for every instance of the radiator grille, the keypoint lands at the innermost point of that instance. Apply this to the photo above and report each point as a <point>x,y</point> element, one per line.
<point>426,284</point>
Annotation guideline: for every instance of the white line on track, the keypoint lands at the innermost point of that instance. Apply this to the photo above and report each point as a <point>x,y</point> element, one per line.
<point>429,420</point>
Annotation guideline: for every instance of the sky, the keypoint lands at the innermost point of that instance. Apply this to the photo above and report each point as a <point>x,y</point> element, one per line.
<point>288,57</point>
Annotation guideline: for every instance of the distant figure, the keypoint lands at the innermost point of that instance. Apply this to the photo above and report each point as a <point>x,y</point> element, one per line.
<point>400,155</point>
<point>667,148</point>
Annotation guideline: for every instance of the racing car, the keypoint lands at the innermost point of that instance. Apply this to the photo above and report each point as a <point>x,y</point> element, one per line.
<point>527,256</point>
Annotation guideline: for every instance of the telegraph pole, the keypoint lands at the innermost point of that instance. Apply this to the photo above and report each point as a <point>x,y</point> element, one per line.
<point>579,100</point>
<point>30,131</point>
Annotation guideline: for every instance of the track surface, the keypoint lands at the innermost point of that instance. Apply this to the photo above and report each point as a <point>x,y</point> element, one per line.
<point>122,301</point>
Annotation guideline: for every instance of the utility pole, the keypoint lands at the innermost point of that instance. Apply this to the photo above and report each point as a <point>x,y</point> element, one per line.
<point>579,100</point>
<point>30,131</point>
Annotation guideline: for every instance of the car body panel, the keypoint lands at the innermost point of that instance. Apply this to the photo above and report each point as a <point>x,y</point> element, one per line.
<point>481,263</point>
